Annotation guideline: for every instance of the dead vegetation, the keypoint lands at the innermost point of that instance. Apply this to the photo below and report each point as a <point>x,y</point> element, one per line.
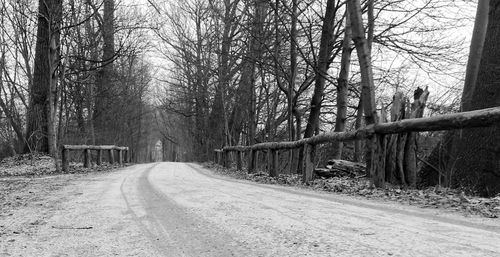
<point>36,164</point>
<point>453,200</point>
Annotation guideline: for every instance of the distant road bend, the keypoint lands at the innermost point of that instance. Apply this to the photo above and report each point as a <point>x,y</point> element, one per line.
<point>180,209</point>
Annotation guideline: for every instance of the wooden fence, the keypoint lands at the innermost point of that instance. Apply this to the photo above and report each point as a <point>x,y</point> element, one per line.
<point>122,154</point>
<point>471,119</point>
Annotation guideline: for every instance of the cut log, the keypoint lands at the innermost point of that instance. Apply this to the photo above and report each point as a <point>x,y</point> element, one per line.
<point>341,168</point>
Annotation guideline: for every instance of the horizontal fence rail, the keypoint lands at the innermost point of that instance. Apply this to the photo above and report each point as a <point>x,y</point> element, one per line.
<point>470,119</point>
<point>123,154</point>
<point>479,118</point>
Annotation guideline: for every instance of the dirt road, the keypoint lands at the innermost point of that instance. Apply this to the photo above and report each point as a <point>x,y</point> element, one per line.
<point>178,209</point>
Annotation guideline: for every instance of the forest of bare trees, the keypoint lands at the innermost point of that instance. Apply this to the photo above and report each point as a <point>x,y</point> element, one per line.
<point>72,72</point>
<point>198,75</point>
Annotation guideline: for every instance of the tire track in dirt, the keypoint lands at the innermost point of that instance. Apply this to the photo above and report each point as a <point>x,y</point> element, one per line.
<point>173,229</point>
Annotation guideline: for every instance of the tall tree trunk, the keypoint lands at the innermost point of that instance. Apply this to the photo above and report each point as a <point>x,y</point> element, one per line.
<point>54,62</point>
<point>49,15</point>
<point>476,50</point>
<point>342,87</point>
<point>218,121</point>
<point>358,144</point>
<point>246,100</point>
<point>291,85</point>
<point>321,70</point>
<point>277,48</point>
<point>104,83</point>
<point>368,86</point>
<point>475,163</point>
<point>293,70</point>
<point>441,163</point>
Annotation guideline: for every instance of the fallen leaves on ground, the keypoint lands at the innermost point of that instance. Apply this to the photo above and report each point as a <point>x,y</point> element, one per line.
<point>432,197</point>
<point>27,165</point>
<point>36,164</point>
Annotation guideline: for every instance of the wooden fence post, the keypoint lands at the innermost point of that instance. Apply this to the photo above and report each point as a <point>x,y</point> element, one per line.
<point>65,159</point>
<point>377,164</point>
<point>120,157</point>
<point>272,160</point>
<point>251,161</point>
<point>299,169</point>
<point>219,157</point>
<point>307,173</point>
<point>111,156</point>
<point>225,158</point>
<point>99,157</point>
<point>86,158</point>
<point>238,160</point>
<point>125,152</point>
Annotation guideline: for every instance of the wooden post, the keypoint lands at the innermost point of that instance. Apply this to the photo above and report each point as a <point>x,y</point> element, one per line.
<point>300,161</point>
<point>65,159</point>
<point>111,156</point>
<point>257,160</point>
<point>99,157</point>
<point>86,158</point>
<point>251,161</point>
<point>226,159</point>
<point>120,157</point>
<point>219,157</point>
<point>238,160</point>
<point>272,160</point>
<point>307,173</point>
<point>377,165</point>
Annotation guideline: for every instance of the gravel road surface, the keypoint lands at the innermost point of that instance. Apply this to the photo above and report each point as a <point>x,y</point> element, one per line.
<point>179,209</point>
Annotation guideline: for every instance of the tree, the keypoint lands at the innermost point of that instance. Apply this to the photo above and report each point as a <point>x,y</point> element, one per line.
<point>321,70</point>
<point>367,84</point>
<point>472,159</point>
<point>245,105</point>
<point>342,87</point>
<point>43,91</point>
<point>105,82</point>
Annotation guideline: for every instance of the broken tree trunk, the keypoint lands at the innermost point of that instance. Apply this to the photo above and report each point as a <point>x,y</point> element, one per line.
<point>410,157</point>
<point>401,149</point>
